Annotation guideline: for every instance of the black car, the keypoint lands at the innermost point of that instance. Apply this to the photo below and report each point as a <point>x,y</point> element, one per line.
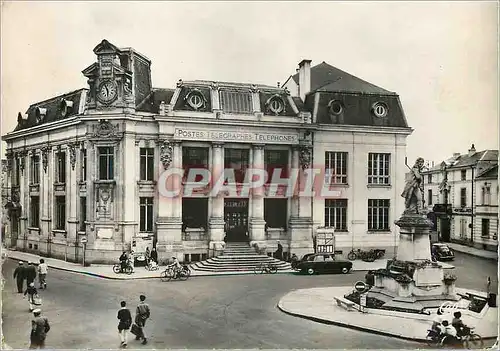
<point>323,263</point>
<point>442,252</point>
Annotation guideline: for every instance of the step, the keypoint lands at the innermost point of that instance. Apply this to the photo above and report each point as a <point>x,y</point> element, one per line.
<point>233,266</point>
<point>231,269</point>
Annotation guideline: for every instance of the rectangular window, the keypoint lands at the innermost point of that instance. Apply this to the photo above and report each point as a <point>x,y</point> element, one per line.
<point>35,211</point>
<point>485,227</point>
<point>16,172</point>
<point>236,102</point>
<point>336,167</point>
<point>35,170</point>
<point>429,196</point>
<point>61,167</point>
<point>429,178</point>
<point>378,168</point>
<point>60,213</point>
<point>84,165</point>
<point>336,214</point>
<point>463,197</point>
<point>378,215</point>
<point>194,213</point>
<point>463,174</point>
<point>146,214</point>
<point>276,213</point>
<point>194,158</point>
<point>106,163</point>
<point>83,213</point>
<point>237,160</point>
<point>276,160</point>
<point>147,163</point>
<point>486,195</point>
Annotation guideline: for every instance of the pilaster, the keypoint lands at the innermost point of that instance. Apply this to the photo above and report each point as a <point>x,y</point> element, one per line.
<point>216,221</point>
<point>24,189</point>
<point>46,201</point>
<point>72,190</point>
<point>257,222</point>
<point>129,184</point>
<point>91,176</point>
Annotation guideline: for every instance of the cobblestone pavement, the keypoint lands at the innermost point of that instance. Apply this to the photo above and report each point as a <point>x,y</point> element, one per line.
<point>202,312</point>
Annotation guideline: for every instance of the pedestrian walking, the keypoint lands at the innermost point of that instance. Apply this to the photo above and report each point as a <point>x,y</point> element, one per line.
<point>31,292</point>
<point>125,321</point>
<point>39,328</point>
<point>42,273</point>
<point>154,255</point>
<point>20,276</point>
<point>147,255</point>
<point>132,260</point>
<point>30,273</point>
<point>142,314</point>
<point>279,251</point>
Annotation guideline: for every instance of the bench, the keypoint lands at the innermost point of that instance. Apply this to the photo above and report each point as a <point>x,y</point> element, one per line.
<point>344,303</point>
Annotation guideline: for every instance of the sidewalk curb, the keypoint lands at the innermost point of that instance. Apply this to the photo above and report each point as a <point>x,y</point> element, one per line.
<point>476,255</point>
<point>355,327</point>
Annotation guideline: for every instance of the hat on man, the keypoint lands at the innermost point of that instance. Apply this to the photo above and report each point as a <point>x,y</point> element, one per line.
<point>37,311</point>
<point>30,262</point>
<point>20,262</point>
<point>32,284</point>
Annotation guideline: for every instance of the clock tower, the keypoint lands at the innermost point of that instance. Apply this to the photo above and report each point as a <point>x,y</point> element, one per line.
<point>119,81</point>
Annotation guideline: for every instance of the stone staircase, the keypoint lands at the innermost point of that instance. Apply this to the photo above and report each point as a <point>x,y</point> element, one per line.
<point>238,257</point>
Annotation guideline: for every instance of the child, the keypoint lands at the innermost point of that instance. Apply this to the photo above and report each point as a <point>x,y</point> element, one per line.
<point>31,291</point>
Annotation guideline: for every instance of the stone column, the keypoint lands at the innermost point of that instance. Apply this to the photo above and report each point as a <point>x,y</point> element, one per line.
<point>216,221</point>
<point>301,223</point>
<point>91,177</point>
<point>73,191</point>
<point>24,190</point>
<point>257,222</point>
<point>130,202</point>
<point>295,197</point>
<point>169,224</point>
<point>8,183</point>
<point>177,181</point>
<point>414,243</point>
<point>46,201</point>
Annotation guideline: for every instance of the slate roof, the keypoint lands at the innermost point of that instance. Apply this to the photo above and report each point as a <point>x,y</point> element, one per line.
<point>325,77</point>
<point>152,102</point>
<point>489,173</point>
<point>53,107</point>
<point>484,160</point>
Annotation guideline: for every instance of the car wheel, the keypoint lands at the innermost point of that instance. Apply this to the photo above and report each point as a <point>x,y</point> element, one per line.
<point>345,270</point>
<point>310,271</point>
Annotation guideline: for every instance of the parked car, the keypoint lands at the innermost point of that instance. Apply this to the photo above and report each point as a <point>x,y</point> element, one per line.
<point>323,263</point>
<point>442,252</point>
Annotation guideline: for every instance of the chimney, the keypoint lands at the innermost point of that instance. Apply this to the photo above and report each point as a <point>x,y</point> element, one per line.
<point>278,84</point>
<point>472,150</point>
<point>304,78</point>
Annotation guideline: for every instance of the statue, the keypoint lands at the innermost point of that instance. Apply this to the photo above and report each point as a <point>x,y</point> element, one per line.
<point>413,191</point>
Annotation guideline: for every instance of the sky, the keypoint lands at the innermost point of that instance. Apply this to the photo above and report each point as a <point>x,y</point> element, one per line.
<point>440,57</point>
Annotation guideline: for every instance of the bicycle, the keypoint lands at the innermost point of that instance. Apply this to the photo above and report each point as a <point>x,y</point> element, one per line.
<point>170,273</point>
<point>117,268</point>
<point>367,256</point>
<point>152,266</point>
<point>265,268</point>
<point>469,341</point>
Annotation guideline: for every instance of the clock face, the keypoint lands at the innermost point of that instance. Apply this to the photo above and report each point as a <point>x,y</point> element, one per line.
<point>107,92</point>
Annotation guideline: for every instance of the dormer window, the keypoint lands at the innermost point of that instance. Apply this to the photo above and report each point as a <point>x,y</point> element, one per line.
<point>335,107</point>
<point>276,104</point>
<point>196,100</point>
<point>40,114</point>
<point>380,109</point>
<point>66,106</point>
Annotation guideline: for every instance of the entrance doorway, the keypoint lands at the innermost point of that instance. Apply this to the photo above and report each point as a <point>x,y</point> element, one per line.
<point>445,229</point>
<point>236,219</point>
<point>14,227</point>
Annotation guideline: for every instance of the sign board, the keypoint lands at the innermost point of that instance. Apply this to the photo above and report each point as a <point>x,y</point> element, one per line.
<point>360,286</point>
<point>362,300</point>
<point>236,136</point>
<point>325,249</point>
<point>83,239</point>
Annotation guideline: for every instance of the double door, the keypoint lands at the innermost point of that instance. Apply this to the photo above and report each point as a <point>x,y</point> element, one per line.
<point>236,219</point>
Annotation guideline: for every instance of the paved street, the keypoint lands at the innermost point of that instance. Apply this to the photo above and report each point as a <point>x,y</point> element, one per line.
<point>202,312</point>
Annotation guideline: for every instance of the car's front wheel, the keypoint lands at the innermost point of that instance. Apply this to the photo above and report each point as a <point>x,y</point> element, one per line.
<point>345,270</point>
<point>310,271</point>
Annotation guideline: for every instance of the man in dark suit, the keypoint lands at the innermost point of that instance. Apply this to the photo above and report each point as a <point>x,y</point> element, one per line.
<point>30,273</point>
<point>20,276</point>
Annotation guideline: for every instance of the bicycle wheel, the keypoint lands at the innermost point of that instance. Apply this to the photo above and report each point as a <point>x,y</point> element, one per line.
<point>116,268</point>
<point>128,270</point>
<point>273,269</point>
<point>474,341</point>
<point>351,256</point>
<point>259,269</point>
<point>183,275</point>
<point>166,275</point>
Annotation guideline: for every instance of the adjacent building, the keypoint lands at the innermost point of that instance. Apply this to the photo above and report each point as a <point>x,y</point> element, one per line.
<point>462,195</point>
<point>86,169</point>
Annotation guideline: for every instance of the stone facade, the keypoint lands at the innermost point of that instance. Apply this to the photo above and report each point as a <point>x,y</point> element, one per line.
<point>91,164</point>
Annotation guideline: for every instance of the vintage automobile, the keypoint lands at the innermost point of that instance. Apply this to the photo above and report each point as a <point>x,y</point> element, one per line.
<point>442,252</point>
<point>323,263</point>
